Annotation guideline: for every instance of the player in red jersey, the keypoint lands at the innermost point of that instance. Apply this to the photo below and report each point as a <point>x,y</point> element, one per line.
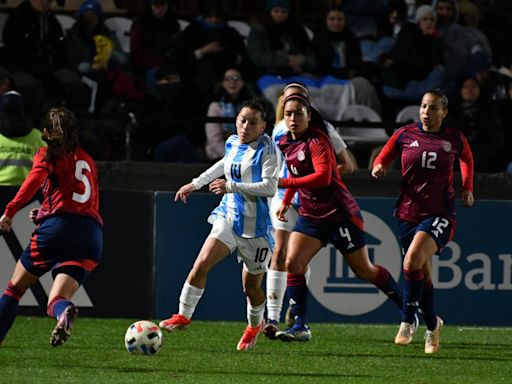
<point>328,212</point>
<point>426,207</point>
<point>68,239</point>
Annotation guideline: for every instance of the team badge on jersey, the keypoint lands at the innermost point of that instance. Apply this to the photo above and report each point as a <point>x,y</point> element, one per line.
<point>447,146</point>
<point>301,155</point>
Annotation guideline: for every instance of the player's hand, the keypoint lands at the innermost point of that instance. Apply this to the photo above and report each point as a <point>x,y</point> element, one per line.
<point>467,199</point>
<point>281,212</point>
<point>378,171</point>
<point>183,192</point>
<point>218,187</point>
<point>5,223</point>
<point>32,215</point>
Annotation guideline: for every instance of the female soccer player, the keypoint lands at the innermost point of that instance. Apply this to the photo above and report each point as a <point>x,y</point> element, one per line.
<point>426,208</point>
<point>241,222</point>
<point>68,239</point>
<point>276,275</point>
<point>327,212</point>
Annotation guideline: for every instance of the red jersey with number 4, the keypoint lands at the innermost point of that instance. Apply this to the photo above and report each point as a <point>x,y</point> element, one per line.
<point>311,163</point>
<point>427,170</point>
<point>69,185</point>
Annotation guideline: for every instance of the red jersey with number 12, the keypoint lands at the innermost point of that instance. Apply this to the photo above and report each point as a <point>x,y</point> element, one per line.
<point>427,170</point>
<point>69,185</point>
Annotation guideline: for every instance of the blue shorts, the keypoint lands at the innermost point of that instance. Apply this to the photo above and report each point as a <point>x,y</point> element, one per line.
<point>64,243</point>
<point>347,236</point>
<point>441,229</point>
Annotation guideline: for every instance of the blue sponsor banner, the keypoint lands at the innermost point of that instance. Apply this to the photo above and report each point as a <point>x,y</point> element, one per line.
<point>472,276</point>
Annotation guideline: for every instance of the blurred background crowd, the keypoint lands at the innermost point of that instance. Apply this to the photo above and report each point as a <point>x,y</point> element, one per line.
<point>161,80</point>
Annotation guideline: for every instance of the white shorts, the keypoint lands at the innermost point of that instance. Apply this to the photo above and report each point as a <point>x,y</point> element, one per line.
<point>255,253</point>
<point>291,215</point>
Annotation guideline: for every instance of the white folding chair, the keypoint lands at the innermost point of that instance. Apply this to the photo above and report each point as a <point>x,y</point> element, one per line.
<point>121,26</point>
<point>65,21</point>
<point>362,136</point>
<point>408,114</point>
<point>242,27</point>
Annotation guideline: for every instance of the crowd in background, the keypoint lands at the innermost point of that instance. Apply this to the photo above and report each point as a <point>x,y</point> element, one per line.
<point>173,76</point>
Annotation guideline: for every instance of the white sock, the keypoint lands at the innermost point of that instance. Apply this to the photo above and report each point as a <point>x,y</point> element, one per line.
<point>189,298</point>
<point>276,288</point>
<point>255,314</point>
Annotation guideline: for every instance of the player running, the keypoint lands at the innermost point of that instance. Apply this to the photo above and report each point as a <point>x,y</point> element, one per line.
<point>276,275</point>
<point>68,239</point>
<point>241,222</point>
<point>426,207</point>
<point>328,212</point>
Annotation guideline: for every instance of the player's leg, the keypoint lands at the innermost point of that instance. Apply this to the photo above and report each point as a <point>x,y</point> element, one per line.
<point>60,306</point>
<point>255,309</point>
<point>301,249</point>
<point>21,280</point>
<point>434,322</point>
<point>422,247</point>
<point>364,269</point>
<point>276,283</point>
<point>219,244</point>
<point>75,247</point>
<point>276,276</point>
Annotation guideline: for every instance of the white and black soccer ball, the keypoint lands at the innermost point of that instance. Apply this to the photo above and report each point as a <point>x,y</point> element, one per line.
<point>143,337</point>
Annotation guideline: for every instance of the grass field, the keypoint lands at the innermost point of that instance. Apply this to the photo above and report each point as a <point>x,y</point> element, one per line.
<point>206,353</point>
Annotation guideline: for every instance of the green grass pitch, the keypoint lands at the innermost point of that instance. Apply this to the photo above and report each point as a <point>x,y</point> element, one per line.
<point>206,353</point>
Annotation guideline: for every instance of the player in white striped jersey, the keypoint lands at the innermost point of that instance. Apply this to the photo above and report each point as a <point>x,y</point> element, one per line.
<point>276,276</point>
<point>241,222</point>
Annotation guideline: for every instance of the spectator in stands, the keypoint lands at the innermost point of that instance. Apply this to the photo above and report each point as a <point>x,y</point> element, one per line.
<point>461,49</point>
<point>478,119</point>
<point>337,49</point>
<point>389,26</point>
<point>363,16</point>
<point>414,65</point>
<point>33,53</point>
<point>227,101</point>
<point>278,44</point>
<point>18,140</point>
<point>209,47</point>
<point>93,51</point>
<point>153,47</point>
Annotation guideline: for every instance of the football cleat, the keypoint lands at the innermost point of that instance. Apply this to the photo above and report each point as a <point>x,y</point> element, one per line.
<point>62,330</point>
<point>271,329</point>
<point>176,322</point>
<point>296,332</point>
<point>250,337</point>
<point>432,337</point>
<point>404,335</point>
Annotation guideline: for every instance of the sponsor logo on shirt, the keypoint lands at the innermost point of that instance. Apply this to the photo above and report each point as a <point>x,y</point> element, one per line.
<point>414,144</point>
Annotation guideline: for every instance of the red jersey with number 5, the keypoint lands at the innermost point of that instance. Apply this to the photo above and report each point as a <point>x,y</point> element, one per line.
<point>69,185</point>
<point>427,170</point>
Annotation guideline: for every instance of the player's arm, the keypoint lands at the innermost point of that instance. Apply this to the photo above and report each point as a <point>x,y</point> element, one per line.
<point>345,164</point>
<point>36,177</point>
<point>386,156</point>
<point>212,173</point>
<point>467,172</point>
<point>321,177</point>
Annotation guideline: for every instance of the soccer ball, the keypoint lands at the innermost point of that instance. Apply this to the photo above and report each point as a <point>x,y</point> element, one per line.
<point>143,337</point>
